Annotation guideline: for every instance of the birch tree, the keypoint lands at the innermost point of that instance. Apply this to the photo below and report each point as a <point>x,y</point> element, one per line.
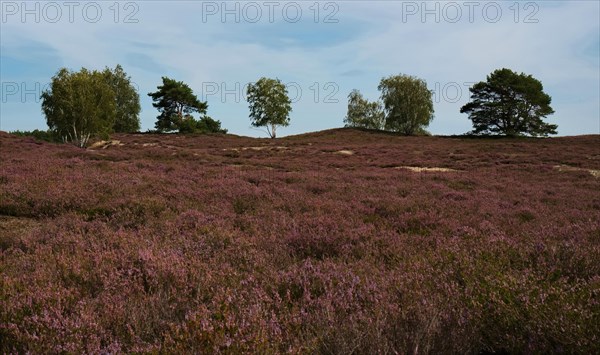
<point>79,105</point>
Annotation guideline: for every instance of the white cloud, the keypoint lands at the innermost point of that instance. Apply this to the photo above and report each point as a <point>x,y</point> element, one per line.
<point>370,40</point>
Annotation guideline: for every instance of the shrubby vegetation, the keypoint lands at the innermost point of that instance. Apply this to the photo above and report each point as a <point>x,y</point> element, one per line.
<point>173,244</point>
<point>342,241</point>
<point>406,107</point>
<point>204,125</point>
<point>47,136</point>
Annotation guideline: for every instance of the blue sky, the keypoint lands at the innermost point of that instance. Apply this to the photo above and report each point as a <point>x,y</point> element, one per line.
<point>321,49</point>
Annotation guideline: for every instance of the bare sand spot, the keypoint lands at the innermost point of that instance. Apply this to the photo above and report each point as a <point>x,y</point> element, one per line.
<point>594,173</point>
<point>255,148</point>
<point>249,166</point>
<point>418,169</point>
<point>266,147</point>
<point>279,147</point>
<point>105,144</point>
<point>345,152</point>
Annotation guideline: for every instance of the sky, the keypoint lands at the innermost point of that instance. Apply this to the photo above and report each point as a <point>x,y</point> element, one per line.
<point>321,50</point>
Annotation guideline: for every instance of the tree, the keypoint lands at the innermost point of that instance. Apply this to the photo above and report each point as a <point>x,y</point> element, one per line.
<point>408,104</point>
<point>79,105</point>
<point>509,104</point>
<point>127,100</point>
<point>269,104</point>
<point>364,114</point>
<point>176,102</point>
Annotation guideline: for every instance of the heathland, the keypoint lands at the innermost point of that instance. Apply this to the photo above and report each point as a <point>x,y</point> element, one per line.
<point>341,241</point>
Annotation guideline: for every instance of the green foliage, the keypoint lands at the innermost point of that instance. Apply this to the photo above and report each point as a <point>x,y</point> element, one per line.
<point>175,101</point>
<point>408,104</point>
<point>126,98</point>
<point>47,136</point>
<point>79,105</point>
<point>208,125</point>
<point>269,104</point>
<point>187,124</point>
<point>509,104</point>
<point>364,114</point>
<point>204,125</point>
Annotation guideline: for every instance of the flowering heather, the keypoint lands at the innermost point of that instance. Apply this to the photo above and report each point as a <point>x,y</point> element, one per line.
<point>181,244</point>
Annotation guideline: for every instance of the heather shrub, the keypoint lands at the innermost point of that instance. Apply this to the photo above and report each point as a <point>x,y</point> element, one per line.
<point>168,244</point>
<point>317,239</point>
<point>245,204</point>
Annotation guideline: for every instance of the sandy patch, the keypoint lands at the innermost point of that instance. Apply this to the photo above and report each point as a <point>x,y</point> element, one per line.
<point>418,169</point>
<point>266,147</point>
<point>345,152</point>
<point>105,144</point>
<point>249,166</point>
<point>594,173</point>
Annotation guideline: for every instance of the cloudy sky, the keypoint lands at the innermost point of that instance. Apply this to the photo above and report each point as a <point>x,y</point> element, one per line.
<point>321,49</point>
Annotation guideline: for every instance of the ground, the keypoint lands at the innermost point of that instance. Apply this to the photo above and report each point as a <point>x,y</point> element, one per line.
<point>341,241</point>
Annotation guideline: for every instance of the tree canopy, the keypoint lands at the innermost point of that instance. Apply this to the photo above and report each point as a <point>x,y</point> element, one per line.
<point>83,104</point>
<point>127,100</point>
<point>408,104</point>
<point>364,114</point>
<point>509,104</point>
<point>269,104</point>
<point>79,105</point>
<point>176,102</point>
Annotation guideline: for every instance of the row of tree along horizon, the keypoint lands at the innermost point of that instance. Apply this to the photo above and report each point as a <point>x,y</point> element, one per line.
<point>88,104</point>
